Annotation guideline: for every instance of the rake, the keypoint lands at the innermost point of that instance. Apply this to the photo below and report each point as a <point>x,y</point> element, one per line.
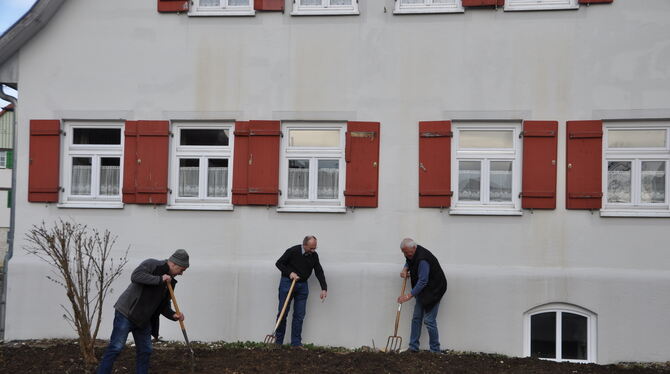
<point>183,327</point>
<point>394,342</point>
<point>272,338</point>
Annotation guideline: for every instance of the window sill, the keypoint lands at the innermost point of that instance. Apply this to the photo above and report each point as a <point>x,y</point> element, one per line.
<point>428,10</point>
<point>514,8</point>
<point>634,213</point>
<point>311,209</point>
<point>200,207</point>
<point>484,212</point>
<point>92,205</point>
<point>325,12</point>
<point>223,13</point>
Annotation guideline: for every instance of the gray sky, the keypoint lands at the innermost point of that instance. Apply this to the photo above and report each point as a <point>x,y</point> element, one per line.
<point>10,12</point>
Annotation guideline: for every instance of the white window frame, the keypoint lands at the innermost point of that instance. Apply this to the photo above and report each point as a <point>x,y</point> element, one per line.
<point>429,6</point>
<point>636,155</point>
<point>95,152</point>
<point>313,154</point>
<point>324,9</point>
<point>203,153</point>
<point>484,207</point>
<point>223,10</point>
<point>559,308</point>
<point>512,5</point>
<point>3,159</point>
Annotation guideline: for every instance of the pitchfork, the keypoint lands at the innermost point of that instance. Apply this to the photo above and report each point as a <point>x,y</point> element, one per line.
<point>394,341</point>
<point>272,338</point>
<point>183,328</point>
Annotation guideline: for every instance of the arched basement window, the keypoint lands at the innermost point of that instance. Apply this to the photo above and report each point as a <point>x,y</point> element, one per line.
<point>560,332</point>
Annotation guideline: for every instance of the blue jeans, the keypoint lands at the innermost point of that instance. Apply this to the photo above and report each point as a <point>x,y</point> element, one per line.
<point>299,297</point>
<point>429,319</point>
<point>142,337</point>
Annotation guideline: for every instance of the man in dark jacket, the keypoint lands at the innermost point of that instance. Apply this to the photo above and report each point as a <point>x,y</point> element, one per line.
<point>297,263</point>
<point>428,286</point>
<point>138,308</point>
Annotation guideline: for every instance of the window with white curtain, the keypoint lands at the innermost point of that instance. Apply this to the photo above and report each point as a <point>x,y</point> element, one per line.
<point>201,171</point>
<point>560,332</point>
<point>428,6</point>
<point>324,7</point>
<point>635,169</point>
<point>93,166</point>
<point>221,8</point>
<point>312,170</point>
<point>540,4</point>
<point>486,174</point>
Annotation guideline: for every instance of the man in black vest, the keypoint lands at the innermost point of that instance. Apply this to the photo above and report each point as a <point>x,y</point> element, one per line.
<point>428,286</point>
<point>297,262</point>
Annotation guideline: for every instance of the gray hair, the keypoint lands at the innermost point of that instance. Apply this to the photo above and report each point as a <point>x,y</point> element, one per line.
<point>407,243</point>
<point>307,239</point>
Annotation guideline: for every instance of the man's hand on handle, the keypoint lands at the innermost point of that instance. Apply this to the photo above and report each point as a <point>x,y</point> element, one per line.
<point>166,278</point>
<point>178,316</point>
<point>293,276</point>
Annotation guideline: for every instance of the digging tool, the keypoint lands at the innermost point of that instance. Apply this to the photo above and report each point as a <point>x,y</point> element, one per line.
<point>181,323</point>
<point>272,338</point>
<point>394,342</point>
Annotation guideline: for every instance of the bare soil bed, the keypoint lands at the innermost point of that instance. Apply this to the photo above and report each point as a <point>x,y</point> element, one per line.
<point>60,356</point>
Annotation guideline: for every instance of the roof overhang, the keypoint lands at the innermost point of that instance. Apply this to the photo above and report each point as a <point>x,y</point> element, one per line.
<point>20,33</point>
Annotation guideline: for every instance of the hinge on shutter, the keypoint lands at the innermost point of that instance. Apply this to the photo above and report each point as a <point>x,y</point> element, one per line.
<point>171,134</point>
<point>169,191</point>
<point>520,133</point>
<point>279,192</point>
<point>422,167</point>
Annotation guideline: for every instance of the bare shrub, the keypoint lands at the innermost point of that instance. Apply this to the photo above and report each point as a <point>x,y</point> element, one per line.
<point>83,264</point>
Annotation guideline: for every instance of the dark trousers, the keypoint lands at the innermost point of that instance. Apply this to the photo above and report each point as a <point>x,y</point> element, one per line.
<point>299,298</point>
<point>143,348</point>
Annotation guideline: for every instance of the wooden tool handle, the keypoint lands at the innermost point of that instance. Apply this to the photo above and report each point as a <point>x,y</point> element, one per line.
<point>174,301</point>
<point>397,316</point>
<point>288,298</point>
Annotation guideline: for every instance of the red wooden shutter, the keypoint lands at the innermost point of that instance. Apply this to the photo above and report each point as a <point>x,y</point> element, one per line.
<point>269,5</point>
<point>240,189</point>
<point>256,170</point>
<point>44,162</point>
<point>362,158</point>
<point>483,2</point>
<point>538,186</point>
<point>145,174</point>
<point>584,164</point>
<point>172,6</point>
<point>588,2</point>
<point>435,164</point>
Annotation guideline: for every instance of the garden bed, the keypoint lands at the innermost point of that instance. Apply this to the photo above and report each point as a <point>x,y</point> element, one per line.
<point>62,356</point>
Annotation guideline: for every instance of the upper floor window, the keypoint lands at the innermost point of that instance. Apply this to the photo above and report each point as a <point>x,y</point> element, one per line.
<point>312,167</point>
<point>92,164</point>
<point>201,160</point>
<point>3,159</point>
<point>222,8</point>
<point>486,170</point>
<point>635,166</point>
<point>324,7</point>
<point>560,332</point>
<point>427,6</point>
<point>540,4</point>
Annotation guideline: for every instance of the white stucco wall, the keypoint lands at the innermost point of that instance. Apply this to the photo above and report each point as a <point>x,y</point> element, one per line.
<point>108,60</point>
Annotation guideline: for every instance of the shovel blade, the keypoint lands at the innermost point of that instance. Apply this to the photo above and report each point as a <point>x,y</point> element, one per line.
<point>270,339</point>
<point>393,344</point>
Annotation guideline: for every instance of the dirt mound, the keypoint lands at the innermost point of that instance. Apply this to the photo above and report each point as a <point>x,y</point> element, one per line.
<point>58,356</point>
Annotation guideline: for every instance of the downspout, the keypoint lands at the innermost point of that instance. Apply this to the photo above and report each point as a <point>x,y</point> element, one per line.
<point>12,215</point>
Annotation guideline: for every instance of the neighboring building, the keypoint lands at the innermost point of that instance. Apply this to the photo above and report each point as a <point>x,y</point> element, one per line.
<point>6,161</point>
<point>529,150</point>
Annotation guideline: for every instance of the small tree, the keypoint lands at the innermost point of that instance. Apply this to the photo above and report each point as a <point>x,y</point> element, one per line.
<point>83,263</point>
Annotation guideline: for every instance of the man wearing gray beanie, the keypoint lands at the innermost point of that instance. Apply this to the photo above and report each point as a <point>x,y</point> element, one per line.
<point>138,308</point>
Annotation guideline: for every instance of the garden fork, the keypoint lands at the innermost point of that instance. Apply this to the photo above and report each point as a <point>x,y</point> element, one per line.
<point>272,338</point>
<point>394,341</point>
<point>183,327</point>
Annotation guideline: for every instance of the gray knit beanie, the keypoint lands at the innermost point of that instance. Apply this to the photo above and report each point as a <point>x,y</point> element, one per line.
<point>180,257</point>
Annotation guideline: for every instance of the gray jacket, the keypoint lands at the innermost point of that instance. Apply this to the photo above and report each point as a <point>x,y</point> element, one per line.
<point>147,295</point>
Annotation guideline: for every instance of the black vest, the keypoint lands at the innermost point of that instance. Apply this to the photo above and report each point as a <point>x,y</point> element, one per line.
<point>437,281</point>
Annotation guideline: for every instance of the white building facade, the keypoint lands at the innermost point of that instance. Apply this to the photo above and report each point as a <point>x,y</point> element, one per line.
<point>525,143</point>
